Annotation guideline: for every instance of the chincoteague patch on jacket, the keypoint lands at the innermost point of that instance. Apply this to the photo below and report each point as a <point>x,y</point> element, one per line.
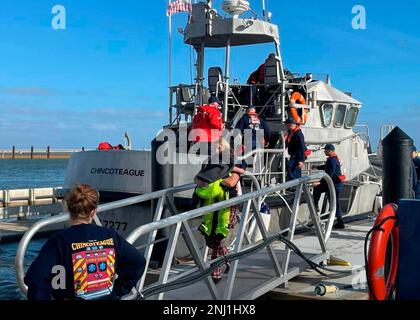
<point>93,268</point>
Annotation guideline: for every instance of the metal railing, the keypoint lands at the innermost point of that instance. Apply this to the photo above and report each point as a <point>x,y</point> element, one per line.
<point>385,130</point>
<point>179,222</point>
<point>251,205</point>
<point>162,195</point>
<point>263,163</point>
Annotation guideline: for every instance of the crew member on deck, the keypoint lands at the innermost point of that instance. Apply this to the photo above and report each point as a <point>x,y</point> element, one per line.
<point>208,125</point>
<point>254,123</point>
<point>295,143</point>
<point>82,262</point>
<point>257,77</point>
<point>333,169</point>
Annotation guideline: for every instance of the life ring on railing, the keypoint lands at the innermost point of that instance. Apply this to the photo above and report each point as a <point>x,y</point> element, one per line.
<point>298,97</point>
<point>386,226</point>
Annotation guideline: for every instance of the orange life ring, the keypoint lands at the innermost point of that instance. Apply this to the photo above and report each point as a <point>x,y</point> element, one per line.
<point>381,288</point>
<point>298,97</point>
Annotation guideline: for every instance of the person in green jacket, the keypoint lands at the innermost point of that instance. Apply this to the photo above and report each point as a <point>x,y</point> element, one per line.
<point>217,183</point>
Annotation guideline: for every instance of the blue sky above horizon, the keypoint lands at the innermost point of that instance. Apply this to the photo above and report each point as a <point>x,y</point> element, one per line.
<point>107,72</point>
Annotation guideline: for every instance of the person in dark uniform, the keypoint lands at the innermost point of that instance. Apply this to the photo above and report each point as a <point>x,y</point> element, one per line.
<point>333,169</point>
<point>253,122</point>
<point>88,257</point>
<point>416,173</point>
<point>255,79</point>
<point>295,143</point>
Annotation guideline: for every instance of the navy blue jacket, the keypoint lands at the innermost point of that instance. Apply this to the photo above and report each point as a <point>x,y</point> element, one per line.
<point>246,123</point>
<point>296,146</point>
<point>333,169</point>
<point>85,240</point>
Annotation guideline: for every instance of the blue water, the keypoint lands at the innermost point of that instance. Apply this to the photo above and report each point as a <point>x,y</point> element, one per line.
<point>22,174</point>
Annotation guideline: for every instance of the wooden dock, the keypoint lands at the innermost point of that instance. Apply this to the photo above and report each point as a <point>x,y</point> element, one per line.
<point>13,231</point>
<point>20,209</point>
<point>32,153</point>
<point>22,204</point>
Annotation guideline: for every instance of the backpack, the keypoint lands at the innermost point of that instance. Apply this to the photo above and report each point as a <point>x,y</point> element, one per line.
<point>103,146</point>
<point>207,118</point>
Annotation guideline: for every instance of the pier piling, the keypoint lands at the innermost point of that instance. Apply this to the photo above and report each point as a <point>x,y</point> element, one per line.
<point>397,167</point>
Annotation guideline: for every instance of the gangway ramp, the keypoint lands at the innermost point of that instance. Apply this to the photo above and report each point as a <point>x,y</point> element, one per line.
<point>255,276</point>
<point>252,273</point>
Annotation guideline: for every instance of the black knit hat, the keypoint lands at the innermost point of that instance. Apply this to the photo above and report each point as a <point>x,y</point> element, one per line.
<point>214,99</point>
<point>213,172</point>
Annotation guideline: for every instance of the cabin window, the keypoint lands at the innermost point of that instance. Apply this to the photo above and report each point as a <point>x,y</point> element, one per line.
<point>327,114</point>
<point>340,115</point>
<point>351,117</point>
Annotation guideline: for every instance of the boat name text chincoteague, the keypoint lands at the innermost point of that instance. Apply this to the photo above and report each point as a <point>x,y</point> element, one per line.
<point>119,172</point>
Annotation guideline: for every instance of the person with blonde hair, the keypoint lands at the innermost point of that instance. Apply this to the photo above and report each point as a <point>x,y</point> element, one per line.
<point>84,261</point>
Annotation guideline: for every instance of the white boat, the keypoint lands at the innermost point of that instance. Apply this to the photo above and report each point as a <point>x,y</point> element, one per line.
<point>141,196</point>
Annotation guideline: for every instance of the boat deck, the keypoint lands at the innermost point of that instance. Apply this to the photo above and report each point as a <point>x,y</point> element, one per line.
<point>345,244</point>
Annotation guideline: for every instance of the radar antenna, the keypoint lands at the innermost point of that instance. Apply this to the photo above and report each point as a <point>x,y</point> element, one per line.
<point>235,7</point>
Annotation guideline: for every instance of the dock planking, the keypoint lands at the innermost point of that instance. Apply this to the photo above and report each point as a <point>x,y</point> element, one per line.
<point>13,231</point>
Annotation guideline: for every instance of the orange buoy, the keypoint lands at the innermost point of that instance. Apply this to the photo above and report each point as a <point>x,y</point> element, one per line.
<point>298,97</point>
<point>386,226</point>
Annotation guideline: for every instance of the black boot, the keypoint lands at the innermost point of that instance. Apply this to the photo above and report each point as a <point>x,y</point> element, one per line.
<point>339,224</point>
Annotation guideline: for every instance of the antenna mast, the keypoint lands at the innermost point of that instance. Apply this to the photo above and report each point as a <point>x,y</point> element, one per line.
<point>263,9</point>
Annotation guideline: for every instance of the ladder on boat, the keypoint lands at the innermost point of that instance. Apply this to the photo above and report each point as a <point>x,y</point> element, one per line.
<point>256,268</point>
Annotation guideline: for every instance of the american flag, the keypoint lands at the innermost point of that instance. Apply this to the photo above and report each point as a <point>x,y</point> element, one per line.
<point>179,6</point>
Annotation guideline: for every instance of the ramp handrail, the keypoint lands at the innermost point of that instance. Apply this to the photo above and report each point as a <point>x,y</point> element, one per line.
<point>178,221</point>
<point>62,218</point>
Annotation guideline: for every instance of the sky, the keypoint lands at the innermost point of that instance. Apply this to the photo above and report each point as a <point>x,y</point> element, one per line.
<point>107,72</point>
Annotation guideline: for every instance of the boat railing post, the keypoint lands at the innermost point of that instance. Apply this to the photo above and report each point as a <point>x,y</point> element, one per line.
<point>278,52</point>
<point>200,73</point>
<point>32,152</point>
<point>292,227</point>
<point>48,152</point>
<point>14,152</point>
<point>6,198</point>
<point>32,197</point>
<point>227,76</point>
<point>237,248</point>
